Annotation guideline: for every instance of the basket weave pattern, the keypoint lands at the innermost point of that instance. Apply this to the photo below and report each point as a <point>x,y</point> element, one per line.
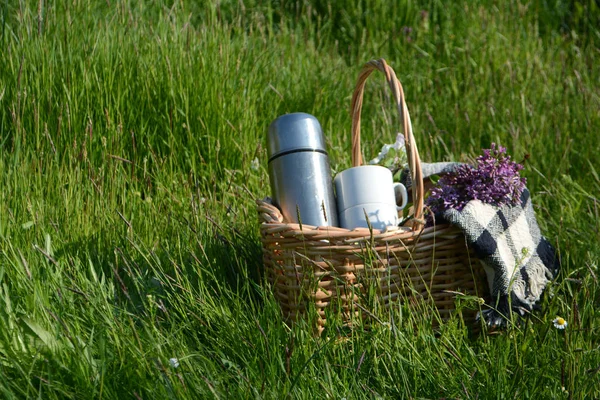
<point>329,267</point>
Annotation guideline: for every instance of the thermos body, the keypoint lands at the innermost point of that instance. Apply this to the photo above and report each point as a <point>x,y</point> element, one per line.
<point>299,184</point>
<point>299,171</point>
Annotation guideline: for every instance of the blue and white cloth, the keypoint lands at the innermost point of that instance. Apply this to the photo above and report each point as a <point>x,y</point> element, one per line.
<point>519,261</point>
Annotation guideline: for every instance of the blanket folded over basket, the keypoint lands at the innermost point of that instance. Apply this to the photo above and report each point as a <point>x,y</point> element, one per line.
<point>518,260</point>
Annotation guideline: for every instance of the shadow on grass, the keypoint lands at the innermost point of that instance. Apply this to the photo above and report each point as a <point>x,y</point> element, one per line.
<point>217,265</point>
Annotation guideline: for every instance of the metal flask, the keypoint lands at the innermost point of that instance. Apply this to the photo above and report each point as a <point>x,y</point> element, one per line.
<point>299,171</point>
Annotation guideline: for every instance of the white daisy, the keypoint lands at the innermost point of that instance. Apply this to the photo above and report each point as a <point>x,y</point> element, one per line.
<point>559,323</point>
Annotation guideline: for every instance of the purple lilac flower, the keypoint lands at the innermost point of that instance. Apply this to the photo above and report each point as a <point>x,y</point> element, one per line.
<point>494,180</point>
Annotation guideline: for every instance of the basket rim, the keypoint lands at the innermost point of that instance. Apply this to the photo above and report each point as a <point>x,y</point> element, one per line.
<point>271,221</point>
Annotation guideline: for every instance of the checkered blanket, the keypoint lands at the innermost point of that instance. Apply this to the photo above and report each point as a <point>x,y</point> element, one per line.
<point>518,260</point>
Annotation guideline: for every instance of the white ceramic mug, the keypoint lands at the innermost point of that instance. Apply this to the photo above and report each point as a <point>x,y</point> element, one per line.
<point>368,192</point>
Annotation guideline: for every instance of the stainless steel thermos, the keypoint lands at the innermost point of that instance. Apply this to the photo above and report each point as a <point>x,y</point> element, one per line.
<point>299,171</point>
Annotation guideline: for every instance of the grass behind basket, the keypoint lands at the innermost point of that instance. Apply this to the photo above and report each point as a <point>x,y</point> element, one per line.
<point>132,149</point>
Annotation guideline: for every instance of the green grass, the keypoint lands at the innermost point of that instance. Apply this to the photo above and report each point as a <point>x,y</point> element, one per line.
<point>128,234</point>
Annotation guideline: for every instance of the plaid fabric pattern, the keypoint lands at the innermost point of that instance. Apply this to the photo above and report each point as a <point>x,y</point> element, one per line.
<point>518,260</point>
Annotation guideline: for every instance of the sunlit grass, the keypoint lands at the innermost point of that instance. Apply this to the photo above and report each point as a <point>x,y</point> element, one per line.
<point>128,234</point>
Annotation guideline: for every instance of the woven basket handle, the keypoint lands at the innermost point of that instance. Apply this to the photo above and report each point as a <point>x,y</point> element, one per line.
<point>414,161</point>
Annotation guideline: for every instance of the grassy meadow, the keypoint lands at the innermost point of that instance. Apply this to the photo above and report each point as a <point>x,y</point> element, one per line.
<point>132,147</point>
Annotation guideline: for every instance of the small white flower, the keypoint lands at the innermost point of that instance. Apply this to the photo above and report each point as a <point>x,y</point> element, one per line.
<point>398,146</point>
<point>559,323</point>
<point>174,362</point>
<point>254,164</point>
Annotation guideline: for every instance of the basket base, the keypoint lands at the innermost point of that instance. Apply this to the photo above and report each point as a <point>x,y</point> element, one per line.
<point>319,272</point>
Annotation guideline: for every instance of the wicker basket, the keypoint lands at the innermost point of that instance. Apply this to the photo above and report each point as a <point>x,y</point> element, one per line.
<point>331,269</point>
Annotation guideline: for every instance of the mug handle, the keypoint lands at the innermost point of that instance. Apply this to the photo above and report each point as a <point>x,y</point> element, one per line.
<point>404,195</point>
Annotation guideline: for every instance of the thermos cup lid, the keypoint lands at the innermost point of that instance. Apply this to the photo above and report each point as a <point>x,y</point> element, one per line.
<point>295,132</point>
